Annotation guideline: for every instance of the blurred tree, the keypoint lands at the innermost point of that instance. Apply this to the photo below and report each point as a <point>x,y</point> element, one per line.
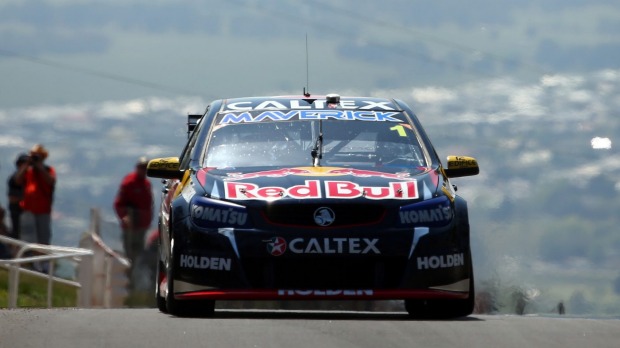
<point>578,304</point>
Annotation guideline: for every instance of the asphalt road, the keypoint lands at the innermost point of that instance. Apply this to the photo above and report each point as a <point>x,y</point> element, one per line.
<point>64,328</point>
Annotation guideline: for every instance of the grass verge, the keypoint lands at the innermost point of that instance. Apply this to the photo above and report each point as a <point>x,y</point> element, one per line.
<point>33,292</point>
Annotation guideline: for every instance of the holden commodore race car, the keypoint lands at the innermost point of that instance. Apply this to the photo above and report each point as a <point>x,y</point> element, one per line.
<point>312,198</point>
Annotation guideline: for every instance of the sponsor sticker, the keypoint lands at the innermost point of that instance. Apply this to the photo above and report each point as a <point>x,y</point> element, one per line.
<point>441,261</point>
<point>433,212</point>
<point>324,216</point>
<point>438,214</point>
<point>278,246</point>
<point>209,214</point>
<point>284,104</point>
<point>461,162</point>
<point>205,262</point>
<point>314,189</point>
<point>171,163</point>
<point>318,293</point>
<point>276,115</point>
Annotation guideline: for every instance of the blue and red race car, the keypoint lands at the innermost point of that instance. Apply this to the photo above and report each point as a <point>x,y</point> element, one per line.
<point>312,198</point>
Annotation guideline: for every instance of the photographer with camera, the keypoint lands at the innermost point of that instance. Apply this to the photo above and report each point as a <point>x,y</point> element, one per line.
<point>38,181</point>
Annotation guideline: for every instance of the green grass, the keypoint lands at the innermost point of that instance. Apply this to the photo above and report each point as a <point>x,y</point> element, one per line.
<point>33,292</point>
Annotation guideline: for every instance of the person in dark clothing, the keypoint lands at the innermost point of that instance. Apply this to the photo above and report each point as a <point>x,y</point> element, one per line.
<point>16,195</point>
<point>5,251</point>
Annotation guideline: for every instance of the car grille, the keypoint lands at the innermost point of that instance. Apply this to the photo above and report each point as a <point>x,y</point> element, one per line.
<point>302,215</point>
<point>325,273</point>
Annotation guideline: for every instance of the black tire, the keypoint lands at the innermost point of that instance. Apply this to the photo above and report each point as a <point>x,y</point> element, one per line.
<point>159,299</point>
<point>443,309</point>
<point>184,308</point>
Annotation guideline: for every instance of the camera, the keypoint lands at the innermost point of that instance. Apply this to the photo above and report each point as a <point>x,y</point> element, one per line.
<point>35,158</point>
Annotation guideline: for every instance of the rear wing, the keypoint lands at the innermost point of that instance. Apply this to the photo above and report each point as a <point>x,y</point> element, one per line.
<point>192,122</point>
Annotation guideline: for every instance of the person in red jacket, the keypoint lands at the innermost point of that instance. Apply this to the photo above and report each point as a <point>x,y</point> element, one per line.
<point>134,207</point>
<point>38,181</point>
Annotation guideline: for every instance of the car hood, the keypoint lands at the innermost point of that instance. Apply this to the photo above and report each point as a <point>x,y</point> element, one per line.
<point>271,184</point>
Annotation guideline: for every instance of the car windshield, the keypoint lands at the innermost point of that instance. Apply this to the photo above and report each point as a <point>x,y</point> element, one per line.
<point>291,143</point>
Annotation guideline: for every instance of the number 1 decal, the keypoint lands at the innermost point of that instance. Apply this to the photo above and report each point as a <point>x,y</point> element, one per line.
<point>400,129</point>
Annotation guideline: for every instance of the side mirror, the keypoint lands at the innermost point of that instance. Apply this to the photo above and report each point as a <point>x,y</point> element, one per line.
<point>164,168</point>
<point>461,166</point>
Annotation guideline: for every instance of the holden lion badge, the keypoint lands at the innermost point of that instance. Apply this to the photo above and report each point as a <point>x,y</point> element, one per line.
<point>324,216</point>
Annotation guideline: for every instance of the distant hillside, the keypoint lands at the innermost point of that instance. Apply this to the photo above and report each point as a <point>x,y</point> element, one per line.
<point>70,51</point>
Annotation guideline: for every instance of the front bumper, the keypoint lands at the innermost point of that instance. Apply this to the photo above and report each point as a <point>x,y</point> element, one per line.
<point>238,264</point>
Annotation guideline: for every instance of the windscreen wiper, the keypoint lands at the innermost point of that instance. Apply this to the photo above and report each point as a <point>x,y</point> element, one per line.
<point>333,102</point>
<point>317,150</point>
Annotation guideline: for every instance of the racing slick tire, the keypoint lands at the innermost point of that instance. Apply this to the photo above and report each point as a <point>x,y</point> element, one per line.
<point>184,308</point>
<point>443,309</point>
<point>160,300</point>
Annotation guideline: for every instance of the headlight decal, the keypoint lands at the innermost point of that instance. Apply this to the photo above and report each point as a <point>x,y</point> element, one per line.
<point>230,234</point>
<point>418,233</point>
<point>426,192</point>
<point>215,192</point>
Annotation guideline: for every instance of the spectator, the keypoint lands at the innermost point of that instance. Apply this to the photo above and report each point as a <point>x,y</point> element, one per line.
<point>561,309</point>
<point>15,195</point>
<point>4,231</point>
<point>134,207</point>
<point>38,181</point>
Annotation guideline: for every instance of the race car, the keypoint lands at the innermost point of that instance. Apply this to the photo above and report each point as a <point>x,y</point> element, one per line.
<point>312,198</point>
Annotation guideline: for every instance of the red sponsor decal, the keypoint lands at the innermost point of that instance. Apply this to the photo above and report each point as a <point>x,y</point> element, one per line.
<point>276,246</point>
<point>312,189</point>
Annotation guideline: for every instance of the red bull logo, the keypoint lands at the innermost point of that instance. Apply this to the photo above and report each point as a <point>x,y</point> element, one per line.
<point>312,189</point>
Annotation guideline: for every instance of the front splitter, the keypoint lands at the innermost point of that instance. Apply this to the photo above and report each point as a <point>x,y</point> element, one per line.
<point>321,294</point>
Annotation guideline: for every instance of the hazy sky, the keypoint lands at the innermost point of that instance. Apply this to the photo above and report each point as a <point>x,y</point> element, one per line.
<point>73,51</point>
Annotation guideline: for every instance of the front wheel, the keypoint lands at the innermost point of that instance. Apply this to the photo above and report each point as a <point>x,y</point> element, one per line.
<point>183,308</point>
<point>159,277</point>
<point>443,309</point>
